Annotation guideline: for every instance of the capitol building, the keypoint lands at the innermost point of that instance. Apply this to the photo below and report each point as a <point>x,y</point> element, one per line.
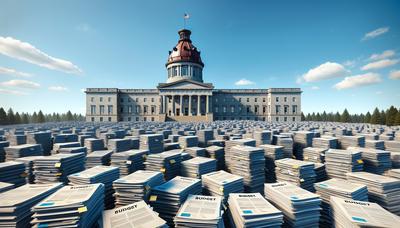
<point>185,97</point>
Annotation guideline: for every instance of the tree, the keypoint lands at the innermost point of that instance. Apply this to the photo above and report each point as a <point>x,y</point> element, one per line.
<point>376,117</point>
<point>303,118</point>
<point>70,117</point>
<point>25,118</point>
<point>18,119</point>
<point>345,117</point>
<point>318,117</point>
<point>40,117</point>
<point>3,117</point>
<point>324,116</point>
<point>34,118</point>
<point>397,120</point>
<point>337,117</point>
<point>383,118</point>
<point>10,116</point>
<point>391,116</point>
<point>367,118</point>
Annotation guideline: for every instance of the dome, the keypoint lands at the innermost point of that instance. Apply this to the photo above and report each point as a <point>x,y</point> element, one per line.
<point>184,51</point>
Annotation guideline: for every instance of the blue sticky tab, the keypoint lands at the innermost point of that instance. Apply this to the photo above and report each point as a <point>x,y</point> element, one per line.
<point>294,197</point>
<point>247,212</point>
<point>43,225</point>
<point>358,219</point>
<point>46,204</point>
<point>323,185</point>
<point>185,214</point>
<point>224,182</point>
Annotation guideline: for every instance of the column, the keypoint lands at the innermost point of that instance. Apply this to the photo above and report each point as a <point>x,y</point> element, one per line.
<point>198,105</point>
<point>181,105</point>
<point>207,106</point>
<point>190,105</point>
<point>173,105</point>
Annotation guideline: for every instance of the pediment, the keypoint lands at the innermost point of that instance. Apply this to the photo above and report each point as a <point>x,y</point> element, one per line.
<point>185,84</point>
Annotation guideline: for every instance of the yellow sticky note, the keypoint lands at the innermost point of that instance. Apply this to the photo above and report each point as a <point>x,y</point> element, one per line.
<point>82,209</point>
<point>58,174</point>
<point>162,170</point>
<point>295,166</point>
<point>221,189</point>
<point>305,158</point>
<point>212,156</point>
<point>172,161</point>
<point>153,198</point>
<point>360,161</point>
<point>57,165</point>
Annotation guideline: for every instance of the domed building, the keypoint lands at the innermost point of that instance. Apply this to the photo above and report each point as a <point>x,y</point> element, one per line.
<point>186,97</point>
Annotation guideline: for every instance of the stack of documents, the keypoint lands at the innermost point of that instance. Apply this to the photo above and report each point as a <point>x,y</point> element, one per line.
<point>198,166</point>
<point>300,173</point>
<point>352,213</point>
<point>98,174</point>
<point>154,143</point>
<point>43,138</point>
<point>326,142</point>
<point>218,153</point>
<point>71,150</point>
<point>253,210</point>
<point>138,214</point>
<point>221,183</point>
<point>167,198</point>
<point>302,139</point>
<point>300,207</point>
<point>340,162</point>
<point>99,157</point>
<point>5,186</point>
<point>395,157</point>
<point>271,154</point>
<point>56,168</point>
<point>320,172</point>
<point>16,204</point>
<point>14,152</point>
<point>287,143</point>
<point>392,146</point>
<point>65,137</point>
<point>16,140</point>
<point>169,163</point>
<point>228,149</point>
<point>129,161</point>
<point>346,141</point>
<point>381,189</point>
<point>71,206</point>
<point>3,144</point>
<point>119,145</point>
<point>375,144</point>
<point>204,136</point>
<point>93,144</point>
<point>13,172</point>
<point>314,154</point>
<point>375,161</point>
<point>249,162</point>
<point>136,186</point>
<point>395,173</point>
<point>58,146</point>
<point>200,211</point>
<point>28,161</point>
<point>340,188</point>
<point>196,151</point>
<point>262,137</point>
<point>188,141</point>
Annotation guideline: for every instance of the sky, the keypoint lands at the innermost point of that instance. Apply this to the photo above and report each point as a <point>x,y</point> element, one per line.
<point>342,54</point>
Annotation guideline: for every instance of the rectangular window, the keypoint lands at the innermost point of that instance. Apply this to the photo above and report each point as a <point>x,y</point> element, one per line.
<point>294,99</point>
<point>240,99</point>
<point>137,118</point>
<point>224,109</point>
<point>144,99</point>
<point>285,99</point>
<point>101,109</point>
<point>277,109</point>
<point>152,99</point>
<point>248,99</point>
<point>92,119</point>
<point>145,109</point>
<point>122,100</point>
<point>264,109</point>
<point>174,71</point>
<point>137,99</point>
<point>255,99</point>
<point>248,109</point>
<point>109,99</point>
<point>92,99</point>
<point>294,109</point>
<point>101,99</point>
<point>110,109</point>
<point>216,109</point>
<point>256,109</point>
<point>263,99</point>
<point>109,119</point>
<point>294,119</point>
<point>101,119</point>
<point>129,119</point>
<point>285,119</point>
<point>130,109</point>
<point>129,99</point>
<point>184,70</point>
<point>153,109</point>
<point>277,118</point>
<point>232,108</point>
<point>277,99</point>
<point>137,108</point>
<point>93,109</point>
<point>286,109</point>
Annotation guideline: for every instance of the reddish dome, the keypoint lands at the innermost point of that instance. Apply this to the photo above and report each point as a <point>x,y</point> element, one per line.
<point>184,51</point>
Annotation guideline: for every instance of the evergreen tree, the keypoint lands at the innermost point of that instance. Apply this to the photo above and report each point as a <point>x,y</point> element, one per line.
<point>10,116</point>
<point>25,118</point>
<point>367,118</point>
<point>303,118</point>
<point>383,118</point>
<point>308,118</point>
<point>337,117</point>
<point>391,116</point>
<point>376,117</point>
<point>324,116</point>
<point>318,117</point>
<point>70,117</point>
<point>397,120</point>
<point>18,119</point>
<point>40,117</point>
<point>345,117</point>
<point>3,117</point>
<point>34,118</point>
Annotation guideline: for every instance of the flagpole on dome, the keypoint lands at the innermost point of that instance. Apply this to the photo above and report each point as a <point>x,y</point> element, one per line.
<point>185,17</point>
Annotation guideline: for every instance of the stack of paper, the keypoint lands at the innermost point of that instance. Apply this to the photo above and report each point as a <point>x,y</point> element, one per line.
<point>375,161</point>
<point>93,144</point>
<point>56,168</point>
<point>339,162</point>
<point>375,144</point>
<point>395,157</point>
<point>14,152</point>
<point>392,146</point>
<point>71,206</point>
<point>58,146</point>
<point>188,141</point>
<point>204,136</point>
<point>340,188</point>
<point>301,140</point>
<point>320,172</point>
<point>154,143</point>
<point>136,186</point>
<point>252,210</point>
<point>218,153</point>
<point>3,144</point>
<point>381,189</point>
<point>262,137</point>
<point>16,204</point>
<point>346,141</point>
<point>326,142</point>
<point>395,173</point>
<point>71,150</point>
<point>300,207</point>
<point>167,198</point>
<point>271,154</point>
<point>43,138</point>
<point>314,154</point>
<point>300,173</point>
<point>98,174</point>
<point>198,166</point>
<point>65,137</point>
<point>5,186</point>
<point>352,213</point>
<point>16,140</point>
<point>169,163</point>
<point>228,149</point>
<point>221,183</point>
<point>129,161</point>
<point>13,172</point>
<point>100,157</point>
<point>28,161</point>
<point>196,151</point>
<point>287,143</point>
<point>138,214</point>
<point>119,145</point>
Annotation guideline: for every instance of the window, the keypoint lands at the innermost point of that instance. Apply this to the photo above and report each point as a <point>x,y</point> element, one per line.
<point>93,109</point>
<point>248,99</point>
<point>174,71</point>
<point>101,99</point>
<point>137,118</point>
<point>277,118</point>
<point>109,119</point>
<point>110,109</point>
<point>101,109</point>
<point>130,109</point>
<point>264,109</point>
<point>152,99</point>
<point>294,109</point>
<point>294,119</point>
<point>256,109</point>
<point>248,109</point>
<point>145,109</point>
<point>277,109</point>
<point>277,99</point>
<point>101,119</point>
<point>285,119</point>
<point>224,109</point>
<point>144,99</point>
<point>216,100</point>
<point>232,108</point>
<point>152,118</point>
<point>255,99</point>
<point>122,100</point>
<point>153,109</point>
<point>92,119</point>
<point>216,109</point>
<point>109,99</point>
<point>144,118</point>
<point>240,99</point>
<point>184,70</point>
<point>129,100</point>
<point>122,109</point>
<point>92,99</point>
<point>129,119</point>
<point>286,109</point>
<point>294,99</point>
<point>285,99</point>
<point>137,99</point>
<point>264,99</point>
<point>137,109</point>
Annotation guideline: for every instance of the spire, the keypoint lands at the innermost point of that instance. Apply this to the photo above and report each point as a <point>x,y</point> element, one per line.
<point>184,35</point>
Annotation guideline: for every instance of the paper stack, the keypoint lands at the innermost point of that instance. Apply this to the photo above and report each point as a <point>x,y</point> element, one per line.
<point>271,154</point>
<point>71,206</point>
<point>395,157</point>
<point>326,142</point>
<point>262,137</point>
<point>169,163</point>
<point>228,149</point>
<point>339,162</point>
<point>314,154</point>
<point>129,161</point>
<point>167,198</point>
<point>300,173</point>
<point>188,141</point>
<point>14,152</point>
<point>300,207</point>
<point>218,153</point>
<point>13,172</point>
<point>320,172</point>
<point>119,145</point>
<point>375,144</point>
<point>43,138</point>
<point>136,186</point>
<point>58,146</point>
<point>16,140</point>
<point>71,150</point>
<point>381,189</point>
<point>56,168</point>
<point>154,143</point>
<point>346,141</point>
<point>5,186</point>
<point>395,173</point>
<point>204,136</point>
<point>340,188</point>
<point>221,183</point>
<point>375,161</point>
<point>287,143</point>
<point>16,204</point>
<point>196,151</point>
<point>99,157</point>
<point>204,211</point>
<point>252,210</point>
<point>198,166</point>
<point>138,214</point>
<point>3,144</point>
<point>392,146</point>
<point>94,144</point>
<point>28,161</point>
<point>301,140</point>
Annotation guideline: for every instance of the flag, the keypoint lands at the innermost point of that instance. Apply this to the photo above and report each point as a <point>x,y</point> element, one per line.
<point>186,16</point>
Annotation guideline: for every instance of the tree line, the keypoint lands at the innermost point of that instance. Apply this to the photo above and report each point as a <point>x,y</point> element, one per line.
<point>10,117</point>
<point>390,117</point>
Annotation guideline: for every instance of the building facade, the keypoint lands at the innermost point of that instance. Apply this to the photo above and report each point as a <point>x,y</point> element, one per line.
<point>185,97</point>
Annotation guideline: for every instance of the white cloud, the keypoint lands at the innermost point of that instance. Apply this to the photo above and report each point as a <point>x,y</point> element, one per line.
<point>244,82</point>
<point>383,55</point>
<point>26,52</point>
<point>21,84</point>
<point>375,33</point>
<point>12,92</point>
<point>315,88</point>
<point>83,90</point>
<point>324,71</point>
<point>349,63</point>
<point>58,88</point>
<point>395,74</point>
<point>84,27</point>
<point>13,72</point>
<point>380,64</point>
<point>358,80</point>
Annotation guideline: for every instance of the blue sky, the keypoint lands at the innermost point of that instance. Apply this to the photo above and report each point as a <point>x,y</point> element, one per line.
<point>343,54</point>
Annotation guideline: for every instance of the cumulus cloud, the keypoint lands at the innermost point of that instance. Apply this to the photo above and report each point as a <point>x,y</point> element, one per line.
<point>12,92</point>
<point>324,71</point>
<point>13,72</point>
<point>349,63</point>
<point>244,82</point>
<point>58,88</point>
<point>375,33</point>
<point>21,84</point>
<point>358,80</point>
<point>380,64</point>
<point>26,52</point>
<point>395,74</point>
<point>383,55</point>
